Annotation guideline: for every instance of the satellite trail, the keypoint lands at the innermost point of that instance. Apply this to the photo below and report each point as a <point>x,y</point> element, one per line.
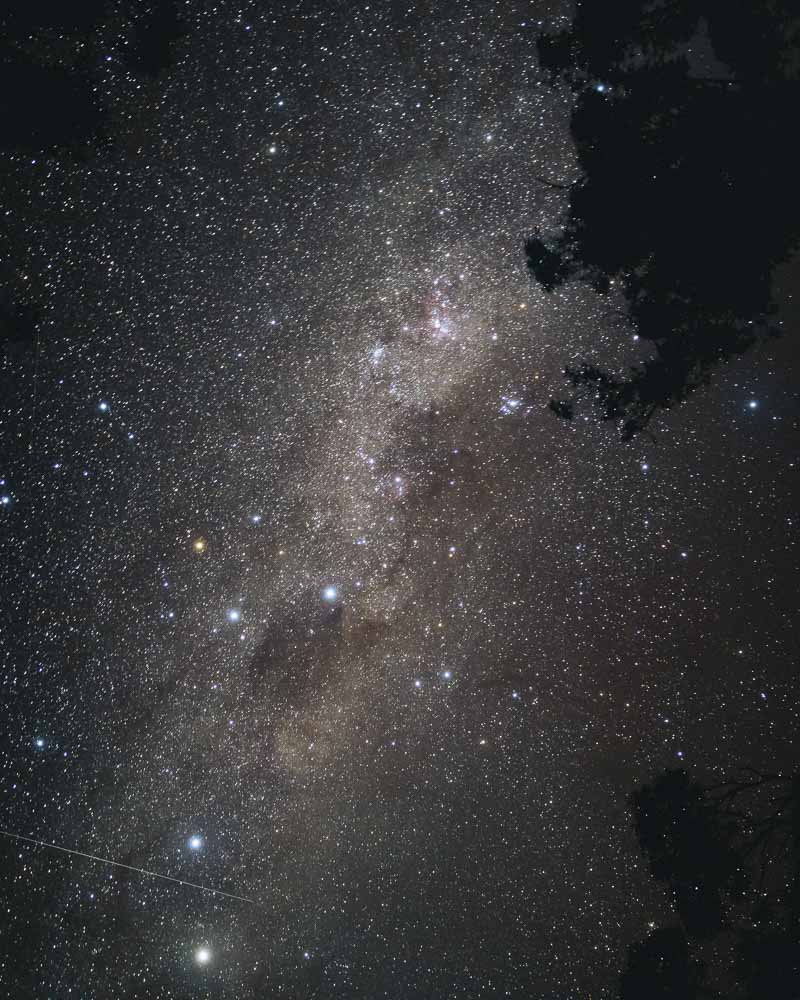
<point>119,864</point>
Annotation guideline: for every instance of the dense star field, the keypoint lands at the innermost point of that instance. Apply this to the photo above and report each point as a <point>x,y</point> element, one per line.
<point>308,597</point>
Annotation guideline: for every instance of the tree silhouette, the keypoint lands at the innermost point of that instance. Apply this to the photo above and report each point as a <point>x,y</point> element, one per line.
<point>768,963</point>
<point>729,855</point>
<point>689,845</point>
<point>660,968</point>
<point>51,59</point>
<point>684,202</point>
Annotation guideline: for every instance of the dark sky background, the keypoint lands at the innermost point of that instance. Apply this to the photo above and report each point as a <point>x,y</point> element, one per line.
<point>307,596</point>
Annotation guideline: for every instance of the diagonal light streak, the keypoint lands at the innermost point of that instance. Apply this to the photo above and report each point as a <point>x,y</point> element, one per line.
<point>120,864</point>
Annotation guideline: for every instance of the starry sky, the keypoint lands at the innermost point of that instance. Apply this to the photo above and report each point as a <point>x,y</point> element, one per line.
<point>309,598</point>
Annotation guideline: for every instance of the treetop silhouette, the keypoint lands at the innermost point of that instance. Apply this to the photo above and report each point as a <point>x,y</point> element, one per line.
<point>685,202</point>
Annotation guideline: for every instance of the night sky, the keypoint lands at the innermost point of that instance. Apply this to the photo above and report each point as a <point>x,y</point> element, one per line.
<point>308,598</point>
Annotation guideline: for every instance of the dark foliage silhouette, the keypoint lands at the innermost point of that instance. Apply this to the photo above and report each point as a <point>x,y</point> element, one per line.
<point>691,847</point>
<point>685,201</point>
<point>729,856</point>
<point>660,968</point>
<point>51,58</point>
